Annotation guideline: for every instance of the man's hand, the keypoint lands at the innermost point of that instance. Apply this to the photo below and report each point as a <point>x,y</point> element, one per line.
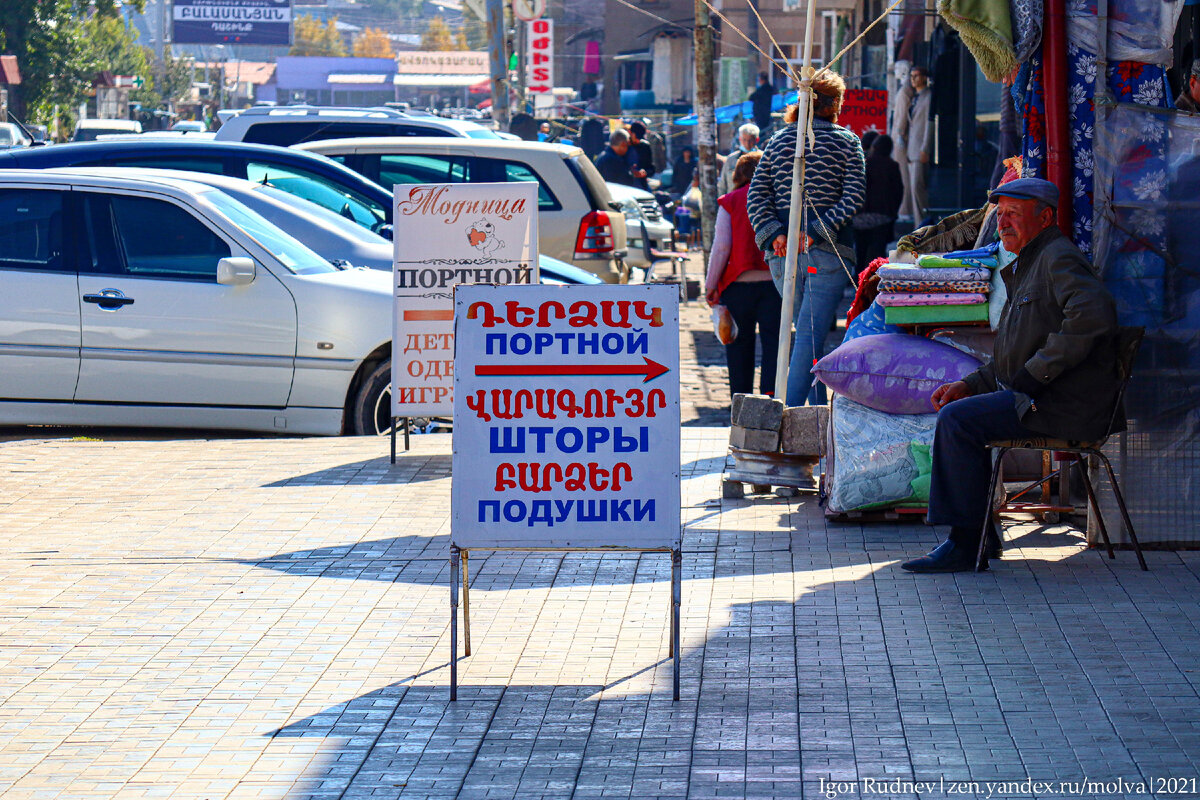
<point>639,173</point>
<point>924,158</point>
<point>949,392</point>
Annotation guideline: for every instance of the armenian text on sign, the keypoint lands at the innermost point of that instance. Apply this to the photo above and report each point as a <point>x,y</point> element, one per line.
<point>566,408</point>
<point>539,74</point>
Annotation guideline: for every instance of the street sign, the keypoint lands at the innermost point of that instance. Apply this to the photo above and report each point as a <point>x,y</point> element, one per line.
<point>566,417</point>
<point>446,234</point>
<point>539,71</point>
<point>864,110</point>
<point>528,10</point>
<point>265,22</point>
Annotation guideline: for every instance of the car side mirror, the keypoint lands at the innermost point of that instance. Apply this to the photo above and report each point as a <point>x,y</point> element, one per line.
<point>385,231</point>
<point>236,271</point>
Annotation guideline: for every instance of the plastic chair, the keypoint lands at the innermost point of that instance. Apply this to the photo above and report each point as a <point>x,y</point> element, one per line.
<point>1128,342</point>
<point>676,258</point>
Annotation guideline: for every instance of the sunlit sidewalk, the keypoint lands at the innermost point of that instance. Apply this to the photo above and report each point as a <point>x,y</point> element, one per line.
<point>270,618</point>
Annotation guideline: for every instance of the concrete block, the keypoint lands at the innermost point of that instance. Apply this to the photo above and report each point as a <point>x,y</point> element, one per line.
<point>732,490</point>
<point>803,430</point>
<point>757,411</point>
<point>753,439</point>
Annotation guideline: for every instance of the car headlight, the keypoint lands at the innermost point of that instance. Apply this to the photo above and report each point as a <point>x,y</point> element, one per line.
<point>631,209</point>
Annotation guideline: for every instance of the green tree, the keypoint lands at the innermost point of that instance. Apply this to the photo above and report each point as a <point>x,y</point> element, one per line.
<point>373,43</point>
<point>49,39</point>
<point>311,37</point>
<point>438,36</point>
<point>113,47</point>
<point>178,74</point>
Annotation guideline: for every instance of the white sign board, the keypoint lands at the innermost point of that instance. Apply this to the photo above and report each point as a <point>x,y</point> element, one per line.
<point>526,10</point>
<point>539,74</point>
<point>444,235</point>
<point>566,417</point>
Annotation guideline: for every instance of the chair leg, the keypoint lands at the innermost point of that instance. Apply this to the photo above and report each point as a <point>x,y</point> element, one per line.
<point>1095,504</point>
<point>988,517</point>
<point>1112,479</point>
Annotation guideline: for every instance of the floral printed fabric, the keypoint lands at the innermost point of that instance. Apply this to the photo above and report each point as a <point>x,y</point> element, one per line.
<point>1129,81</point>
<point>930,299</point>
<point>917,287</point>
<point>896,272</point>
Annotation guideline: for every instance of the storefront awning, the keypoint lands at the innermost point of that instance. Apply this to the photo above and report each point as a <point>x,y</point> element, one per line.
<point>359,78</point>
<point>439,80</point>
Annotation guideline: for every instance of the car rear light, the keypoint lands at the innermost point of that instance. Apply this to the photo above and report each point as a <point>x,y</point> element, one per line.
<point>595,235</point>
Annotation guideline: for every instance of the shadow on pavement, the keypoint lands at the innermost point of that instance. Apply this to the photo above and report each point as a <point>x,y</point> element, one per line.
<point>409,468</point>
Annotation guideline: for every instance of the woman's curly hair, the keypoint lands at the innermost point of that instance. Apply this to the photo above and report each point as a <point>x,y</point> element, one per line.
<point>829,90</point>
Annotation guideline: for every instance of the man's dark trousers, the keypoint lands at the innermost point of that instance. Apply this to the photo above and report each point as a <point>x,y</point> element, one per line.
<point>962,465</point>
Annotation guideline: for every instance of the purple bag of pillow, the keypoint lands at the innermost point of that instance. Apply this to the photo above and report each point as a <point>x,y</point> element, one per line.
<point>893,372</point>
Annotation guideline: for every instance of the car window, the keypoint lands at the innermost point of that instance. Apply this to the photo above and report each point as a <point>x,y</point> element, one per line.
<point>317,189</point>
<point>411,168</point>
<point>516,173</point>
<point>286,134</point>
<point>290,252</point>
<point>482,133</point>
<point>213,166</point>
<point>494,170</point>
<point>144,237</point>
<point>31,229</point>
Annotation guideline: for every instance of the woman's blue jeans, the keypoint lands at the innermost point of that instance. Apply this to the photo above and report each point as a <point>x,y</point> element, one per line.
<point>817,297</point>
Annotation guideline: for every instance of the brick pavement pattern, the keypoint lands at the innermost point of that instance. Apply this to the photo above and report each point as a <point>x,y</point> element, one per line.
<point>269,618</point>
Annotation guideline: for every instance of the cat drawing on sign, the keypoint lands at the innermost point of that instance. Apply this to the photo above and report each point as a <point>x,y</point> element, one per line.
<point>482,236</point>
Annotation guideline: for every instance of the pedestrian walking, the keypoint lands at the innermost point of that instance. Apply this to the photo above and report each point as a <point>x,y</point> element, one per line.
<point>761,100</point>
<point>614,162</point>
<point>682,171</point>
<point>738,278</point>
<point>835,184</point>
<point>643,154</point>
<point>875,225</point>
<point>747,142</point>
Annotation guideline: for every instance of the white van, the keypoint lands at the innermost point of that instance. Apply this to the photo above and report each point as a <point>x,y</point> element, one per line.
<point>88,130</point>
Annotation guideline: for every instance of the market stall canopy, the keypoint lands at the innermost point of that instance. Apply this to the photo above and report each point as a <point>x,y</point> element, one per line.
<point>727,114</point>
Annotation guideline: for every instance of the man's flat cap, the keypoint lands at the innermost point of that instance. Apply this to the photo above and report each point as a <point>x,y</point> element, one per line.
<point>1027,189</point>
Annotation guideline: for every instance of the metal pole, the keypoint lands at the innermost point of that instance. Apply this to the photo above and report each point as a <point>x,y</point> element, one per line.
<point>392,436</point>
<point>453,623</point>
<point>466,607</point>
<point>706,128</point>
<point>676,602</point>
<point>407,429</point>
<point>804,101</point>
<point>498,61</point>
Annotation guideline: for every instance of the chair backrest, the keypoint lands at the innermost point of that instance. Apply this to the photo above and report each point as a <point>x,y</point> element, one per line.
<point>646,245</point>
<point>1129,340</point>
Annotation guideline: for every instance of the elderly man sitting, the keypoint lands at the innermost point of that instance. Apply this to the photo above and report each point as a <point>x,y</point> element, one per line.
<point>1053,373</point>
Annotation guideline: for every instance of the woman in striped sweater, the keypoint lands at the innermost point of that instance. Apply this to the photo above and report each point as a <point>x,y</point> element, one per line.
<point>835,185</point>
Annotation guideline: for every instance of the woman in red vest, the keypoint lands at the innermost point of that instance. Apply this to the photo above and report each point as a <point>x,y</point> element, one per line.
<point>739,279</point>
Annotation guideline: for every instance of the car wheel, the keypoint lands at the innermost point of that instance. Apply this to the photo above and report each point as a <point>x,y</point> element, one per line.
<point>371,411</point>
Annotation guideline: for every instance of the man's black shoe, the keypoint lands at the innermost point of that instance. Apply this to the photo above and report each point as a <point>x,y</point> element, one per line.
<point>946,557</point>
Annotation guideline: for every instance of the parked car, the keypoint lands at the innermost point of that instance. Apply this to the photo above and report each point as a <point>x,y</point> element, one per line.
<point>156,301</point>
<point>331,236</point>
<point>190,126</point>
<point>12,136</point>
<point>288,125</point>
<point>643,217</point>
<point>86,130</point>
<point>576,222</point>
<point>311,177</point>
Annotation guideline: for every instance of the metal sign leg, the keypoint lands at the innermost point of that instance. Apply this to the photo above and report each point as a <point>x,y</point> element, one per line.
<point>466,607</point>
<point>407,428</point>
<point>676,601</point>
<point>392,437</point>
<point>453,624</point>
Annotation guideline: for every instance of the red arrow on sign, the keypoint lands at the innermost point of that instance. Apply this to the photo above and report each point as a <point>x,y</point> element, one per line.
<point>651,369</point>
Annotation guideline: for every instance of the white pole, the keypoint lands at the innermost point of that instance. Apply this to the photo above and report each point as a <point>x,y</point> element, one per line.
<point>804,104</point>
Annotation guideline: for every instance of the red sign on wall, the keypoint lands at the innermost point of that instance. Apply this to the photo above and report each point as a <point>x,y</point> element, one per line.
<point>864,110</point>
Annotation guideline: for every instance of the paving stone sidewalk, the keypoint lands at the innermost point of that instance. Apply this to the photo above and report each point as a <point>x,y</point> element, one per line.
<point>269,618</point>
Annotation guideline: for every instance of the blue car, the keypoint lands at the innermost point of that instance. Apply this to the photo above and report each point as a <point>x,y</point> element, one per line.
<point>309,176</point>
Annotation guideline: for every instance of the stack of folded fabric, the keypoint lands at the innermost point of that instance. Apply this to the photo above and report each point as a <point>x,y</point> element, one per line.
<point>949,288</point>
